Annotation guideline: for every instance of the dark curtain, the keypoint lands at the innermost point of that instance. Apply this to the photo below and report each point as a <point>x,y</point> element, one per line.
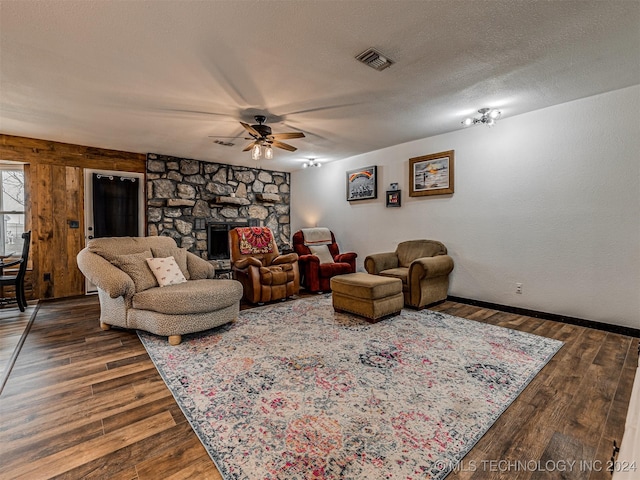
<point>115,206</point>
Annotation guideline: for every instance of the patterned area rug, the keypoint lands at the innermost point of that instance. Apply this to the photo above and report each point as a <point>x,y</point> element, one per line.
<point>296,391</point>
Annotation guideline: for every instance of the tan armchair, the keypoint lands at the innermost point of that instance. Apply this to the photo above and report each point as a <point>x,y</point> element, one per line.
<point>257,264</point>
<point>422,265</point>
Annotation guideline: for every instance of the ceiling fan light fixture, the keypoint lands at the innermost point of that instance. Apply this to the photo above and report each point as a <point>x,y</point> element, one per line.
<point>488,117</point>
<point>264,139</point>
<point>256,152</point>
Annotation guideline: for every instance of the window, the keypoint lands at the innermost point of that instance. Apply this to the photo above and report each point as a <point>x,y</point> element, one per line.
<point>11,209</point>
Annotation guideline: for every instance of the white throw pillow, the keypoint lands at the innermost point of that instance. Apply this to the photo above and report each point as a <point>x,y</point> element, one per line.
<point>166,270</point>
<point>322,252</point>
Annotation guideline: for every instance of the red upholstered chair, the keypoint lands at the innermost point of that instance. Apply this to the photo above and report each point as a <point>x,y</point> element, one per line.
<point>316,276</point>
<point>257,264</point>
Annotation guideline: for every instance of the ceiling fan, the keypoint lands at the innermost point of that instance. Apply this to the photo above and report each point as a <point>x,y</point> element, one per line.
<point>264,139</point>
<point>262,135</point>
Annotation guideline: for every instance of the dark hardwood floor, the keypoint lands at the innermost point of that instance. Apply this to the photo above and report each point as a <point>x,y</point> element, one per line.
<point>84,403</point>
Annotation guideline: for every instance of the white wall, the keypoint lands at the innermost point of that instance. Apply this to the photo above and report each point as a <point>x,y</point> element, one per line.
<point>550,199</point>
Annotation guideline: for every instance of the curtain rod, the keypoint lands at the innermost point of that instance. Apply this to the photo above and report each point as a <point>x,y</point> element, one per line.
<point>110,177</point>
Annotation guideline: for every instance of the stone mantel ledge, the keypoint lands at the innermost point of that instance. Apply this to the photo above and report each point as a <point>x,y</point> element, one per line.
<point>268,197</point>
<point>180,202</point>
<point>233,200</point>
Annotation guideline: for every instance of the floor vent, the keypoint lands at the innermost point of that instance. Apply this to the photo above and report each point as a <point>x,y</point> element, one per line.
<point>374,59</point>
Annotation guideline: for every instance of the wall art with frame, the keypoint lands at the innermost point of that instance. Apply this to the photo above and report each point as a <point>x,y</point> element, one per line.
<point>431,174</point>
<point>362,184</point>
<point>394,198</point>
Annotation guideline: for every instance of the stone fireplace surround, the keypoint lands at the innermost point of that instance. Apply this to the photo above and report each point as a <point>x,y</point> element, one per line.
<point>185,196</point>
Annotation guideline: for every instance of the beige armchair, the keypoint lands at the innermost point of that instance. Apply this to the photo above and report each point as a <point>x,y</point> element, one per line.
<point>422,265</point>
<point>130,296</point>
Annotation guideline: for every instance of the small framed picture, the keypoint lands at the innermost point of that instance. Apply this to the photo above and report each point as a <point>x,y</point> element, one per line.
<point>393,198</point>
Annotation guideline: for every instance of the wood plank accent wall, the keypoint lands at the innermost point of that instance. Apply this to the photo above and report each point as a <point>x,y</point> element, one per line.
<point>54,190</point>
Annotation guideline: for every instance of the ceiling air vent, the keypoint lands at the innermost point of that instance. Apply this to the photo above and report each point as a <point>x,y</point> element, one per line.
<point>226,144</point>
<point>374,59</point>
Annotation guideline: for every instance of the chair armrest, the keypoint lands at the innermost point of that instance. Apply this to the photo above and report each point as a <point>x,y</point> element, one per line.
<point>429,267</point>
<point>288,258</point>
<point>199,268</point>
<point>243,263</point>
<point>378,262</point>
<point>346,257</point>
<point>308,259</point>
<point>104,275</point>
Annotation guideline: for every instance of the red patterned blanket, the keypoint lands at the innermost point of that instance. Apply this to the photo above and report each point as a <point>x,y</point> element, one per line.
<point>255,240</point>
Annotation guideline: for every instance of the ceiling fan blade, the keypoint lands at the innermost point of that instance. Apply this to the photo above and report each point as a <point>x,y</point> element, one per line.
<point>285,136</point>
<point>249,147</point>
<point>284,146</point>
<point>254,133</point>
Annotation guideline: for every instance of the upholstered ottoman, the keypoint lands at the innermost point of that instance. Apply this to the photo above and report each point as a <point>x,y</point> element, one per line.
<point>371,296</point>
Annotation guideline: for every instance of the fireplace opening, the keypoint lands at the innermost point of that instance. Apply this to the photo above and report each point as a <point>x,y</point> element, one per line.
<point>218,238</point>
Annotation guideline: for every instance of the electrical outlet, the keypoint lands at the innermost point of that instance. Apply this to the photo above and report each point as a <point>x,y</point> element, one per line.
<point>519,288</point>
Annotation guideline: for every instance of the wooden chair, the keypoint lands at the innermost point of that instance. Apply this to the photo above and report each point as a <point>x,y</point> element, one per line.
<point>17,280</point>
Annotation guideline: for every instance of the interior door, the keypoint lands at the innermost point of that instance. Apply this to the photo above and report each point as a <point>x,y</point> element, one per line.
<point>114,206</point>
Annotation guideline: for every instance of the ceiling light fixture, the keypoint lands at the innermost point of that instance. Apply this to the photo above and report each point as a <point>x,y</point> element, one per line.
<point>312,162</point>
<point>259,150</point>
<point>256,152</point>
<point>488,117</point>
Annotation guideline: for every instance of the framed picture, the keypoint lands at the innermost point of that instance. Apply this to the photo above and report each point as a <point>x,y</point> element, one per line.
<point>431,174</point>
<point>362,184</point>
<point>393,198</point>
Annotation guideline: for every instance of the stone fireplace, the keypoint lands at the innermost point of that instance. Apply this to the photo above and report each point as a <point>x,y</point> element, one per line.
<point>194,201</point>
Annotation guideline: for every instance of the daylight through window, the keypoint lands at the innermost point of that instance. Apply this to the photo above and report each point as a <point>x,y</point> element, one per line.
<point>11,209</point>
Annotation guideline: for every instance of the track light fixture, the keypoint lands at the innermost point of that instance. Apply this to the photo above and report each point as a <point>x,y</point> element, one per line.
<point>488,117</point>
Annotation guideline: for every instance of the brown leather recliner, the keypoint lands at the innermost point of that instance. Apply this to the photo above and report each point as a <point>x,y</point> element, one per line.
<point>257,264</point>
<point>422,265</point>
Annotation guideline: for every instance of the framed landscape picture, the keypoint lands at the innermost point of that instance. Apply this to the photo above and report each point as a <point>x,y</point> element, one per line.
<point>362,184</point>
<point>431,174</point>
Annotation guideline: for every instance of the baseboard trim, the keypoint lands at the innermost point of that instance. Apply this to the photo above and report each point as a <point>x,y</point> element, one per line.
<point>607,327</point>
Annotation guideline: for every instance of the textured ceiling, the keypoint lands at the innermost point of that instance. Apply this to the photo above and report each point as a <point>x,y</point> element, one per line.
<point>163,76</point>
